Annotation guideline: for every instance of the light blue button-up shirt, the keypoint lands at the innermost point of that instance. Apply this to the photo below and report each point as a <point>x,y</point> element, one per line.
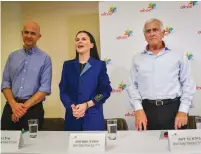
<point>27,72</point>
<point>166,75</point>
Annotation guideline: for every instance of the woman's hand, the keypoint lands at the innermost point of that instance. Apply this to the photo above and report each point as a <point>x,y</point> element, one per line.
<point>79,110</point>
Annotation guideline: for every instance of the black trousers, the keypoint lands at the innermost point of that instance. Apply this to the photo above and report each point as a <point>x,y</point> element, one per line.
<point>161,117</point>
<point>35,112</point>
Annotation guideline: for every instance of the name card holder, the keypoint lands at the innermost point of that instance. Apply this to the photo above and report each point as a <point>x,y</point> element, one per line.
<point>87,142</point>
<point>185,140</point>
<point>11,141</point>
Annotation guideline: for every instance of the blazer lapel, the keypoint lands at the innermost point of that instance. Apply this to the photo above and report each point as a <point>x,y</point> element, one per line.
<point>87,67</point>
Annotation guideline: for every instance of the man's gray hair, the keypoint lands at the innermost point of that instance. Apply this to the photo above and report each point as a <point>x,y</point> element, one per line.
<point>153,20</point>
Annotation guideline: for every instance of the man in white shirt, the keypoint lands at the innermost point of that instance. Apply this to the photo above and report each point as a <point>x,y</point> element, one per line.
<point>161,88</point>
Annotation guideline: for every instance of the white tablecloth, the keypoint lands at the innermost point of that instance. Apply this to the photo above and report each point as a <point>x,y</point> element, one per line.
<point>127,142</point>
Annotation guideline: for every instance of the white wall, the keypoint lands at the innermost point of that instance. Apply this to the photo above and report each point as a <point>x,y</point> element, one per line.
<point>132,15</point>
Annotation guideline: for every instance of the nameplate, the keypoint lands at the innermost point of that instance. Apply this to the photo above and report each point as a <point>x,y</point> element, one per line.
<point>184,140</point>
<point>87,142</point>
<point>11,141</point>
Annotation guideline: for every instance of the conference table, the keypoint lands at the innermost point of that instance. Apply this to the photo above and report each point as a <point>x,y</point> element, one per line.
<point>127,142</point>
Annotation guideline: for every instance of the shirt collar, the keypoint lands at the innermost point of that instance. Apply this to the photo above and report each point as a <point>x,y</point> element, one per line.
<point>32,50</point>
<point>146,51</point>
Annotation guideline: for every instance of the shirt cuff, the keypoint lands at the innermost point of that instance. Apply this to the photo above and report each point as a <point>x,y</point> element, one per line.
<point>45,90</point>
<point>137,104</point>
<point>184,108</point>
<point>5,84</point>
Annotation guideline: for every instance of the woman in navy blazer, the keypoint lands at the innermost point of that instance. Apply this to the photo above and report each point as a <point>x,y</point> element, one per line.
<point>84,86</point>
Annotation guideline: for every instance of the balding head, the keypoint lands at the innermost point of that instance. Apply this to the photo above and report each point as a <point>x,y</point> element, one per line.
<point>30,34</point>
<point>33,24</point>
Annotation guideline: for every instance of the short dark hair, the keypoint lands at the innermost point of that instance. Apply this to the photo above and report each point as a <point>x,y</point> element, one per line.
<point>94,50</point>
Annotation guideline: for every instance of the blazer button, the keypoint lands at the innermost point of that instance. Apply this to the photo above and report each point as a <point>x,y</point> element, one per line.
<point>80,81</point>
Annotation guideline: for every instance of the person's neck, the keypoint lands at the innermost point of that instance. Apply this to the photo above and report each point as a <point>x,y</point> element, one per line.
<point>156,48</point>
<point>27,48</point>
<point>83,58</point>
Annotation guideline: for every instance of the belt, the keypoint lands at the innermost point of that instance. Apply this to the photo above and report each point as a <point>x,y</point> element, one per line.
<point>19,100</point>
<point>160,102</point>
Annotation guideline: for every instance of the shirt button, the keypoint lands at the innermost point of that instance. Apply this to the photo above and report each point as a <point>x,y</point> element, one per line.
<point>24,70</point>
<point>21,87</point>
<point>25,62</point>
<point>22,78</point>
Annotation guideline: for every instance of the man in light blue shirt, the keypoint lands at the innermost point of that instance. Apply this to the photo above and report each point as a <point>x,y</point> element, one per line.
<point>161,89</point>
<point>26,81</point>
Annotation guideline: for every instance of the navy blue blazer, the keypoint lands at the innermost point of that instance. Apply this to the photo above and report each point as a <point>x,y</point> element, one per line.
<point>75,88</point>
